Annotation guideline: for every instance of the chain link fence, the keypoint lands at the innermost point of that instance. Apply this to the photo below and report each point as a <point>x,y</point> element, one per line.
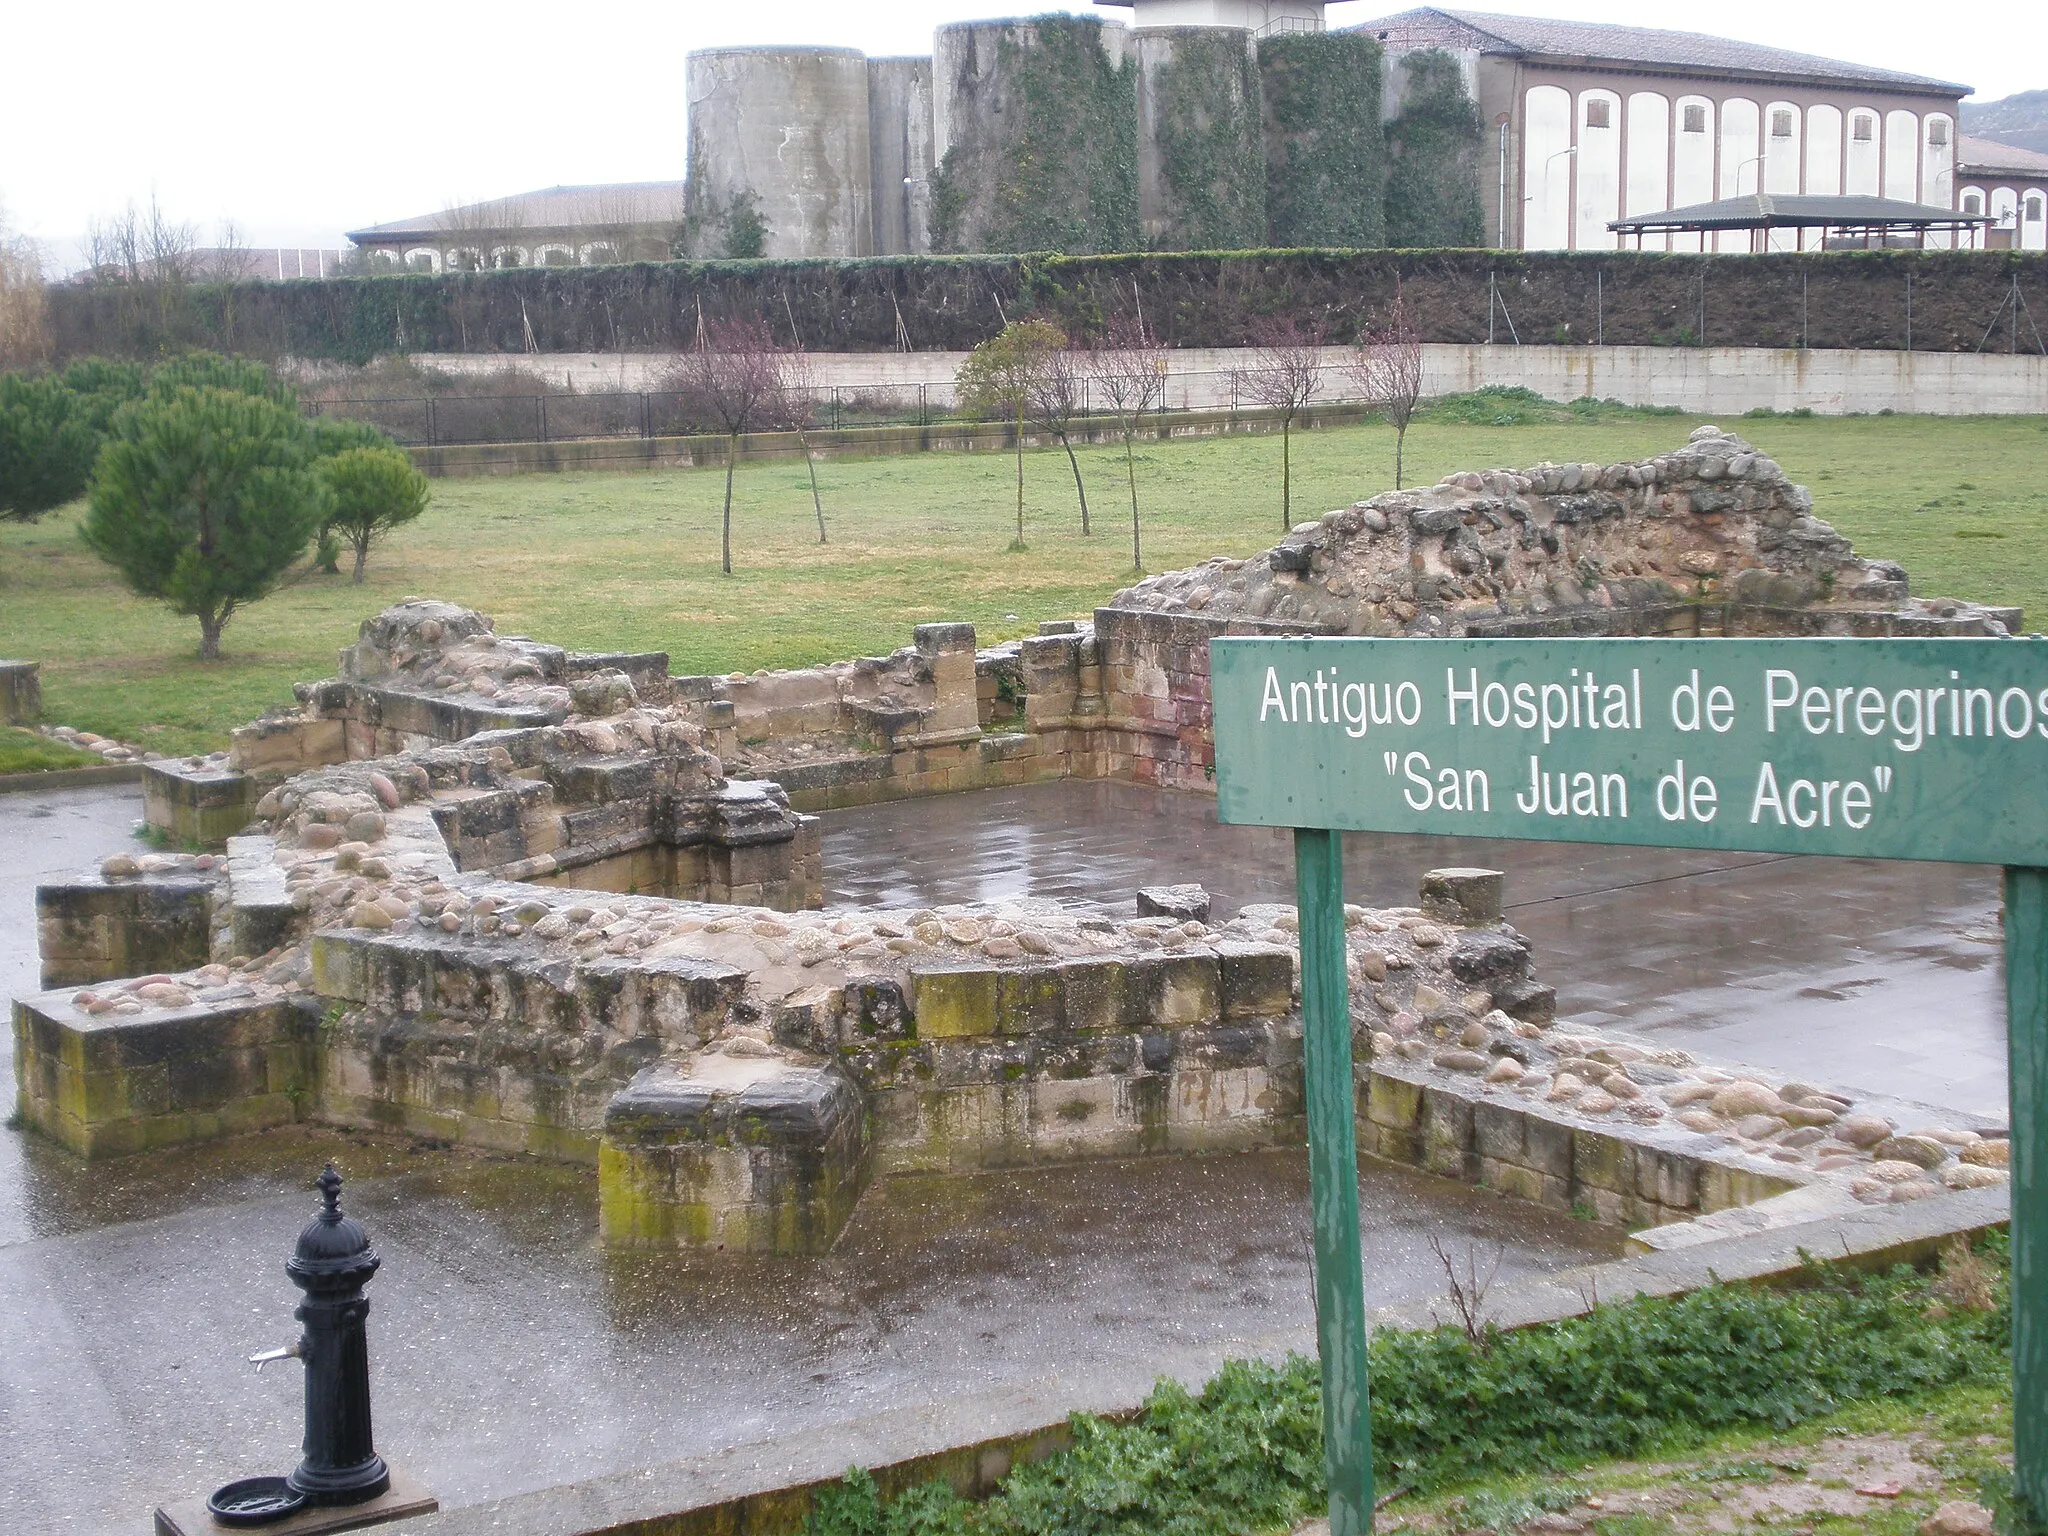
<point>461,420</point>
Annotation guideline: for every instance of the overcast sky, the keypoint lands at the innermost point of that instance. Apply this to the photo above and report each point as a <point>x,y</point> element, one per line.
<point>302,120</point>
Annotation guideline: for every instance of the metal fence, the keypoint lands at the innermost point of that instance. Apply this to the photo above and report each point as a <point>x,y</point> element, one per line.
<point>455,420</point>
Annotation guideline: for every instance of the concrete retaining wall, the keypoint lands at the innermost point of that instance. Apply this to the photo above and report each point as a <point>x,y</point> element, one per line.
<point>1704,380</point>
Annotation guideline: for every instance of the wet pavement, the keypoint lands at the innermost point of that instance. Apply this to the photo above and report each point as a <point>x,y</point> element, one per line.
<point>1886,977</point>
<point>43,834</point>
<point>512,1353</point>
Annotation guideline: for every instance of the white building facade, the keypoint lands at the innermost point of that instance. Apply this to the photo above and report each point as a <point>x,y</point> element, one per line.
<point>1260,17</point>
<point>2011,185</point>
<point>1591,123</point>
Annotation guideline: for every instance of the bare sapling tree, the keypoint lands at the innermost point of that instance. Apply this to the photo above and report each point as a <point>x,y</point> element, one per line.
<point>735,382</point>
<point>114,247</point>
<point>233,261</point>
<point>1468,1289</point>
<point>24,309</point>
<point>1286,373</point>
<point>1058,398</point>
<point>171,248</point>
<point>1129,372</point>
<point>1387,368</point>
<point>800,384</point>
<point>998,379</point>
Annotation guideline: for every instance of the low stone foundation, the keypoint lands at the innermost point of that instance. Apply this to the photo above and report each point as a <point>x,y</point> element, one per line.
<point>201,1068</point>
<point>131,918</point>
<point>1641,1177</point>
<point>557,903</point>
<point>741,1154</point>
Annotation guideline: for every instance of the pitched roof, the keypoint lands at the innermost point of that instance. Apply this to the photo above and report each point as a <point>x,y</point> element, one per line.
<point>1975,154</point>
<point>1536,37</point>
<point>598,206</point>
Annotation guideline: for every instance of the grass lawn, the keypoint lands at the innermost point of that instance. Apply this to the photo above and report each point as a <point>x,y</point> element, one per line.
<point>26,752</point>
<point>630,561</point>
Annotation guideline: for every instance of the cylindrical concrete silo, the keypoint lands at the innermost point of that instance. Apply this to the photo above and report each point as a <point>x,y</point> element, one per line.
<point>785,132</point>
<point>1201,139</point>
<point>900,136</point>
<point>1034,132</point>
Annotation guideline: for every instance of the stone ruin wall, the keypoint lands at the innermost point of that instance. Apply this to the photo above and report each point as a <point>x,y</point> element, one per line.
<point>1712,539</point>
<point>488,891</point>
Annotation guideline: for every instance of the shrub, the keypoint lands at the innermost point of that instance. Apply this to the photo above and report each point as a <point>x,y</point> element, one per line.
<point>1246,1453</point>
<point>202,499</point>
<point>47,446</point>
<point>210,370</point>
<point>370,492</point>
<point>103,388</point>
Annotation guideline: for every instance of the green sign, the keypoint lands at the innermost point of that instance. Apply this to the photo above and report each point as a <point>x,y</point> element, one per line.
<point>1896,749</point>
<point>1892,749</point>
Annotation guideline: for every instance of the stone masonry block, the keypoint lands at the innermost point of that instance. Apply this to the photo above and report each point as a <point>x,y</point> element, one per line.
<point>951,1004</point>
<point>1176,991</point>
<point>1497,1132</point>
<point>1548,1147</point>
<point>1514,1181</point>
<point>1182,903</point>
<point>1030,1002</point>
<point>1394,1103</point>
<point>1257,980</point>
<point>341,967</point>
<point>1467,897</point>
<point>1601,1162</point>
<point>1095,995</point>
<point>1447,1133</point>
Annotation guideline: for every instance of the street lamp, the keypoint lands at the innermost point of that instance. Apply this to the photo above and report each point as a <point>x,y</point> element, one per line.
<point>1562,154</point>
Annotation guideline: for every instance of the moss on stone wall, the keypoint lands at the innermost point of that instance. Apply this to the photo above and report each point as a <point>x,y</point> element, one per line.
<point>1211,143</point>
<point>1326,157</point>
<point>1048,154</point>
<point>1433,186</point>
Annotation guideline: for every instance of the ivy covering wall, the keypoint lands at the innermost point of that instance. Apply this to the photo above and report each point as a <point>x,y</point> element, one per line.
<point>1326,156</point>
<point>1208,115</point>
<point>1434,146</point>
<point>1045,156</point>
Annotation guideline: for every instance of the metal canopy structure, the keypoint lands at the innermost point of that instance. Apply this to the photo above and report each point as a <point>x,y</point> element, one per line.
<point>1764,211</point>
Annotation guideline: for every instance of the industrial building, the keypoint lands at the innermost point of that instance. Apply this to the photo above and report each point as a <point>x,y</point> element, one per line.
<point>1594,123</point>
<point>558,227</point>
<point>2011,186</point>
<point>1570,127</point>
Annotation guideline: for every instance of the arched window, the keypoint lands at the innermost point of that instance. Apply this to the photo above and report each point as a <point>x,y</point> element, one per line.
<point>1547,154</point>
<point>423,259</point>
<point>1599,172</point>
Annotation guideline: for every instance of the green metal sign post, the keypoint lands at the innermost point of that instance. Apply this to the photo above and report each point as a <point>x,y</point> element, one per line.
<point>1888,749</point>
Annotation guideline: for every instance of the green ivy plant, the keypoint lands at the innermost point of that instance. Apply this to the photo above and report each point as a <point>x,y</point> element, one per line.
<point>1433,187</point>
<point>1212,155</point>
<point>1048,156</point>
<point>1326,156</point>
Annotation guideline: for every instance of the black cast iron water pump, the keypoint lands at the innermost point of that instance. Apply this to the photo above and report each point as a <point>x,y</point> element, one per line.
<point>332,1262</point>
